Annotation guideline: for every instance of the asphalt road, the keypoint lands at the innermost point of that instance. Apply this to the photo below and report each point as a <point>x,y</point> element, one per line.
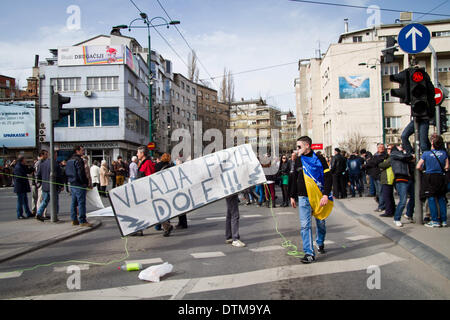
<point>205,268</point>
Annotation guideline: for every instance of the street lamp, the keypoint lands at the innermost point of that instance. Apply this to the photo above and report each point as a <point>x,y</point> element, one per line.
<point>148,25</point>
<point>374,66</point>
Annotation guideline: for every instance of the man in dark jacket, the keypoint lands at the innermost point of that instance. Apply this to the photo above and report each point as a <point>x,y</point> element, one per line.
<point>22,187</point>
<point>338,168</point>
<point>400,166</point>
<point>354,165</point>
<point>43,175</point>
<point>76,175</point>
<point>298,190</point>
<point>366,156</point>
<point>374,171</point>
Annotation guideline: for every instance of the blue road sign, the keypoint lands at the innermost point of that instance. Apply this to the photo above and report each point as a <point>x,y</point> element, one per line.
<point>414,38</point>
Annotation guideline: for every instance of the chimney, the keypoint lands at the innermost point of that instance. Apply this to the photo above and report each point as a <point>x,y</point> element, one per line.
<point>116,32</point>
<point>346,25</point>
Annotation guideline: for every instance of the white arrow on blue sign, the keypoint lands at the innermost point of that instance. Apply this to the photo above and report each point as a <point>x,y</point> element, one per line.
<point>414,38</point>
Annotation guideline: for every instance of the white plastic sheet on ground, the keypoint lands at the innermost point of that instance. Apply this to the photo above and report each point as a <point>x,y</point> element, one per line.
<point>93,197</point>
<point>154,273</point>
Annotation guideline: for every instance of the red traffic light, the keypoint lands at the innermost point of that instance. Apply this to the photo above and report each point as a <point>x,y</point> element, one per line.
<point>417,76</point>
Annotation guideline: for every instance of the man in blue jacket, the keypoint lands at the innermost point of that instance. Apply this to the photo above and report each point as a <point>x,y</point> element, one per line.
<point>76,176</point>
<point>43,174</point>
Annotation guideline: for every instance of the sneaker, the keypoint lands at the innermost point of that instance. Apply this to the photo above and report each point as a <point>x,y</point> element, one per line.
<point>444,224</point>
<point>238,243</point>
<point>378,210</point>
<point>87,224</point>
<point>47,218</point>
<point>308,259</point>
<point>75,223</point>
<point>229,241</point>
<point>22,217</point>
<point>40,218</point>
<point>321,248</point>
<point>398,223</point>
<point>407,217</point>
<point>432,224</point>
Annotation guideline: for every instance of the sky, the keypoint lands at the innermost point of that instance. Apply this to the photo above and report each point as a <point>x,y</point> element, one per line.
<point>239,35</point>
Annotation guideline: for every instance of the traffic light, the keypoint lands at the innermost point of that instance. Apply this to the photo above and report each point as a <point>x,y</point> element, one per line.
<point>403,91</point>
<point>388,53</point>
<point>443,119</point>
<point>421,93</point>
<point>56,105</point>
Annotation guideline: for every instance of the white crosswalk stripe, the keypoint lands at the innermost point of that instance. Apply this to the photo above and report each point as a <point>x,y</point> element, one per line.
<point>64,269</point>
<point>9,275</point>
<point>359,237</point>
<point>203,255</point>
<point>251,215</point>
<point>268,248</point>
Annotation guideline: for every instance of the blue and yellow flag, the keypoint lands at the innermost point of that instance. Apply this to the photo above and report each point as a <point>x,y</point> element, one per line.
<point>313,173</point>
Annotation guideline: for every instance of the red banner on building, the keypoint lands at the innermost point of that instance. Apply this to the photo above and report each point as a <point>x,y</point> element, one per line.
<point>317,146</point>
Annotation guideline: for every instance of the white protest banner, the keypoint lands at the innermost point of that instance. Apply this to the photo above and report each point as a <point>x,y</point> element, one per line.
<point>166,194</point>
<point>106,212</point>
<point>93,197</point>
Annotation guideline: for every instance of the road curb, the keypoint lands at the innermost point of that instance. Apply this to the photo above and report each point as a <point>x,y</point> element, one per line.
<point>41,244</point>
<point>426,254</point>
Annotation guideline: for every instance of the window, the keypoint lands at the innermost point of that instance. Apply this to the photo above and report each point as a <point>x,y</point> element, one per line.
<point>207,96</point>
<point>85,117</point>
<point>178,96</point>
<point>66,84</point>
<point>357,39</point>
<point>441,34</point>
<point>97,116</point>
<point>8,83</point>
<point>188,102</point>
<point>110,117</point>
<point>386,96</point>
<point>193,90</point>
<point>182,85</point>
<point>130,89</point>
<point>188,88</point>
<point>392,122</point>
<point>142,98</point>
<point>64,122</point>
<point>136,93</point>
<point>199,93</point>
<point>103,83</point>
<point>444,65</point>
<point>388,69</point>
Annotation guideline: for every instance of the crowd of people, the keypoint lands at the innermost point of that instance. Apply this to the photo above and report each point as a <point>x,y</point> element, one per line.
<point>376,175</point>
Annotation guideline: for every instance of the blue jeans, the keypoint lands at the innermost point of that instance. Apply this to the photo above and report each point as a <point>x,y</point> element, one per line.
<point>434,210</point>
<point>22,203</point>
<point>304,209</point>
<point>402,189</point>
<point>260,192</point>
<point>379,190</point>
<point>411,203</point>
<point>423,136</point>
<point>355,181</point>
<point>78,200</point>
<point>46,201</point>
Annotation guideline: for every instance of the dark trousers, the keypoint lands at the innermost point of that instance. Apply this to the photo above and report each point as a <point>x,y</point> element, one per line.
<point>388,196</point>
<point>182,220</point>
<point>284,188</point>
<point>355,181</point>
<point>232,221</point>
<point>339,187</point>
<point>425,144</point>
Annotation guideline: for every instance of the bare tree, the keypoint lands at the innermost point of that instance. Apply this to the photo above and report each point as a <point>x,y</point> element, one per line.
<point>193,71</point>
<point>227,87</point>
<point>354,141</point>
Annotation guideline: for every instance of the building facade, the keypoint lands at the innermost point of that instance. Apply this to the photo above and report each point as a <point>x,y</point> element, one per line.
<point>212,113</point>
<point>257,120</point>
<point>288,133</point>
<point>106,78</point>
<point>344,99</point>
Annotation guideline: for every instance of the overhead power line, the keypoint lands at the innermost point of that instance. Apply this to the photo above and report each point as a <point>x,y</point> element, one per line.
<point>363,7</point>
<point>187,43</point>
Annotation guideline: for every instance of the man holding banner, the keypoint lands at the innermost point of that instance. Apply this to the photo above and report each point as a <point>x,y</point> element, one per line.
<point>311,185</point>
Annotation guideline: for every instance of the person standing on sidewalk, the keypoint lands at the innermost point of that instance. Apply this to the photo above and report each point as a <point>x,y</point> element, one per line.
<point>374,172</point>
<point>76,174</point>
<point>354,165</point>
<point>338,168</point>
<point>435,181</point>
<point>120,171</point>
<point>399,163</point>
<point>311,185</point>
<point>387,181</point>
<point>133,168</point>
<point>283,172</point>
<point>95,175</point>
<point>43,174</point>
<point>36,195</point>
<point>22,187</point>
<point>104,178</point>
<point>232,222</point>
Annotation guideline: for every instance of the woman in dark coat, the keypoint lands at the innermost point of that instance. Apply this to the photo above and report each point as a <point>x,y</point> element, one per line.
<point>22,187</point>
<point>283,173</point>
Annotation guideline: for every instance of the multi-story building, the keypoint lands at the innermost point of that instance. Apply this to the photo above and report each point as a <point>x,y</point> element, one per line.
<point>106,78</point>
<point>212,113</point>
<point>288,133</point>
<point>345,95</point>
<point>184,108</point>
<point>8,87</point>
<point>257,117</point>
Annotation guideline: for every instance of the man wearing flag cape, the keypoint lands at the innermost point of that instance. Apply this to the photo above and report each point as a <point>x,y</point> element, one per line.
<point>311,184</point>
